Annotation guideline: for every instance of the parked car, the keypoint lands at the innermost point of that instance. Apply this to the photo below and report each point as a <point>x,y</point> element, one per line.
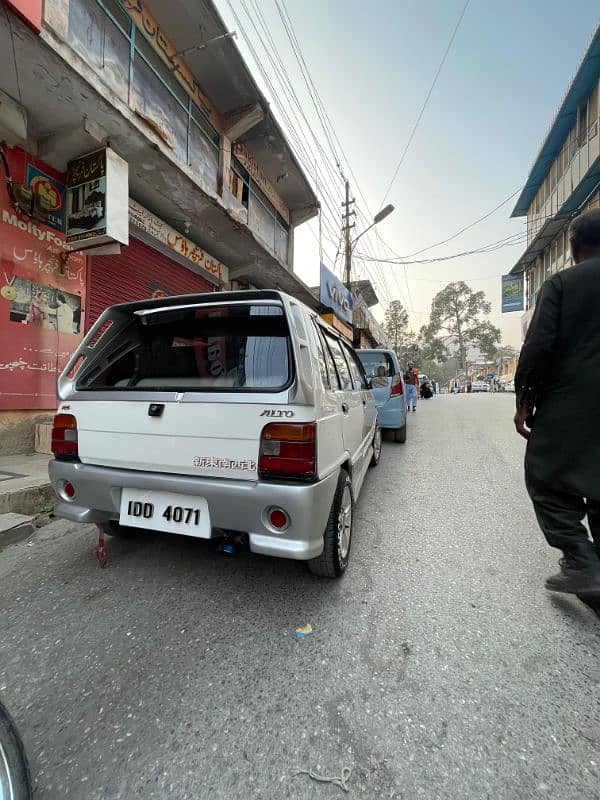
<point>239,411</point>
<point>480,386</point>
<point>383,369</point>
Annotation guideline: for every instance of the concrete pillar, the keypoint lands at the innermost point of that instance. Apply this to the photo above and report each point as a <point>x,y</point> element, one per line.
<point>224,164</point>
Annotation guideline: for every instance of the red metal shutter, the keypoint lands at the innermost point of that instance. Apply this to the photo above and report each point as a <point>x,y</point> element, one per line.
<point>134,275</point>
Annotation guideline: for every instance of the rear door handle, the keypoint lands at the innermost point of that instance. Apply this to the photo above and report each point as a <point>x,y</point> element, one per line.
<point>345,408</point>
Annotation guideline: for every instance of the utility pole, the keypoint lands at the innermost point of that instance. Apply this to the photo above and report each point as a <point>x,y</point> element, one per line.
<point>350,212</point>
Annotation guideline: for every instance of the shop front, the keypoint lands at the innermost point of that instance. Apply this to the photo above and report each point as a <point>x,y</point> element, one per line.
<point>159,261</point>
<point>42,284</point>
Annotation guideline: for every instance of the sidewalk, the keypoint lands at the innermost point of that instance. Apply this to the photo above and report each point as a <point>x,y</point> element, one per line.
<point>24,484</point>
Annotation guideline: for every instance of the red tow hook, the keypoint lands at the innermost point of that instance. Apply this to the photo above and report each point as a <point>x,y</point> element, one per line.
<point>100,552</point>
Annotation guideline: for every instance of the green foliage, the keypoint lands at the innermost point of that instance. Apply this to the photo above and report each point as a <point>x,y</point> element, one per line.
<point>395,325</point>
<point>456,318</point>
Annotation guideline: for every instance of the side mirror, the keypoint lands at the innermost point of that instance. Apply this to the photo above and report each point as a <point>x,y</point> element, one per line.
<point>369,384</point>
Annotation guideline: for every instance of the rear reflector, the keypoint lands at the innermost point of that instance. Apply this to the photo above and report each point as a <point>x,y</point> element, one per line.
<point>397,387</point>
<point>278,518</point>
<point>288,451</point>
<point>64,436</point>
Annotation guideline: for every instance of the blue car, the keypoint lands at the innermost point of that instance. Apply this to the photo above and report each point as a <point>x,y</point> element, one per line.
<point>384,371</point>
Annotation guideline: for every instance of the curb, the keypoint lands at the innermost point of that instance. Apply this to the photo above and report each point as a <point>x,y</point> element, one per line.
<point>28,501</point>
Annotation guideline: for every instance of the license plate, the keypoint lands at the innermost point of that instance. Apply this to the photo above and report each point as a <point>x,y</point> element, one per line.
<point>165,511</point>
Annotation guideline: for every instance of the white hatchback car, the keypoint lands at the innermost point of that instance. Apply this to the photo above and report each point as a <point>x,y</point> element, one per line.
<point>239,411</point>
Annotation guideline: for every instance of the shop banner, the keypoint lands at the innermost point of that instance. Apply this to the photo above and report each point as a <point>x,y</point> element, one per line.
<point>97,199</point>
<point>143,219</point>
<point>512,293</point>
<point>42,290</point>
<point>335,295</point>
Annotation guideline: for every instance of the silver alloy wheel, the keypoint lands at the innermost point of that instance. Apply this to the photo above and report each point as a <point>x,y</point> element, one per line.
<point>377,444</point>
<point>345,523</point>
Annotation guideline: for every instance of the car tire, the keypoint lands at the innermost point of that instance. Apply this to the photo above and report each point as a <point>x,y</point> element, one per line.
<point>337,539</point>
<point>117,531</point>
<point>15,777</point>
<point>400,434</point>
<point>377,444</point>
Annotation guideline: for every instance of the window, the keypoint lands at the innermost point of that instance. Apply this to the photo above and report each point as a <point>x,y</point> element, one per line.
<point>582,125</point>
<point>340,362</point>
<point>331,368</point>
<point>219,348</point>
<point>376,364</point>
<point>356,368</point>
<point>324,367</point>
<point>593,112</point>
<point>239,182</point>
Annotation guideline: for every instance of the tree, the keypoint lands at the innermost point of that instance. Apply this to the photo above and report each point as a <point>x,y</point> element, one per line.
<point>456,318</point>
<point>395,324</point>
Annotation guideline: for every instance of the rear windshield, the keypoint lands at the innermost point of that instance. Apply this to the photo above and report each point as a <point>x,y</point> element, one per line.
<point>377,365</point>
<point>225,348</point>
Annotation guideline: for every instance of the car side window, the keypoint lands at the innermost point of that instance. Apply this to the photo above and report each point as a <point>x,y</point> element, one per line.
<point>340,362</point>
<point>324,368</point>
<point>356,369</point>
<point>334,379</point>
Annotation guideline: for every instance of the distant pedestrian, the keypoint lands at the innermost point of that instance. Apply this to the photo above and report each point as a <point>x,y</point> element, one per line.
<point>456,386</point>
<point>411,382</point>
<point>557,412</point>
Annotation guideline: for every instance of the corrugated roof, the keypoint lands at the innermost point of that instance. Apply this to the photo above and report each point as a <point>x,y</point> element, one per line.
<point>579,89</point>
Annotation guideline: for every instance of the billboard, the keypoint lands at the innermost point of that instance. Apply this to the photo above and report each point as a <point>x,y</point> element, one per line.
<point>98,199</point>
<point>334,295</point>
<point>42,292</point>
<point>512,293</point>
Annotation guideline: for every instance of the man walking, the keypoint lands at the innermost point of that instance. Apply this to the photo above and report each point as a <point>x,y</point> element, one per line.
<point>411,381</point>
<point>558,412</point>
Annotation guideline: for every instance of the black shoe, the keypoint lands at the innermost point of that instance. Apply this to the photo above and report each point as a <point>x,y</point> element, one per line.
<point>576,576</point>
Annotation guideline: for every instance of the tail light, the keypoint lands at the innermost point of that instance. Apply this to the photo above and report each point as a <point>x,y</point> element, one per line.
<point>288,451</point>
<point>64,436</point>
<point>397,387</point>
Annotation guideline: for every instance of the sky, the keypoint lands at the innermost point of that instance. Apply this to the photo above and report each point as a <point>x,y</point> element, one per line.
<point>373,64</point>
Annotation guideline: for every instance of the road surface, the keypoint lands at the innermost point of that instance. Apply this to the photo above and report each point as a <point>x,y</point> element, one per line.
<point>439,666</point>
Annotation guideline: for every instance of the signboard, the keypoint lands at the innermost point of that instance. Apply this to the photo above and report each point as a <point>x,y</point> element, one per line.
<point>261,180</point>
<point>334,295</point>
<point>143,219</point>
<point>42,297</point>
<point>512,293</point>
<point>52,193</point>
<point>97,196</point>
<point>30,11</point>
<point>363,318</point>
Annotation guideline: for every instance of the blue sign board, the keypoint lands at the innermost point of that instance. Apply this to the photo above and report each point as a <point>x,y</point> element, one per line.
<point>53,194</point>
<point>512,293</point>
<point>335,295</point>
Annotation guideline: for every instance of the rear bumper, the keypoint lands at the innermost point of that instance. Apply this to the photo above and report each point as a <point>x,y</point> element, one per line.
<point>234,505</point>
<point>393,413</point>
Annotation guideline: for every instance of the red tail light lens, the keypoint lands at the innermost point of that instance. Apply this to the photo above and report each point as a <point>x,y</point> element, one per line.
<point>288,451</point>
<point>64,436</point>
<point>397,387</point>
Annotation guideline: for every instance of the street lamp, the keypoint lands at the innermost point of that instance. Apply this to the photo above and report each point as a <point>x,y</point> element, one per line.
<point>381,215</point>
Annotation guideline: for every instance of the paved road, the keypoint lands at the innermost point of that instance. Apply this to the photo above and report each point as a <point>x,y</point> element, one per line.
<point>440,667</point>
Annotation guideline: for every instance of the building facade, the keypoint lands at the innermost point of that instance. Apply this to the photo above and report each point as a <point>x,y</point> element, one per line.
<point>213,193</point>
<point>564,179</point>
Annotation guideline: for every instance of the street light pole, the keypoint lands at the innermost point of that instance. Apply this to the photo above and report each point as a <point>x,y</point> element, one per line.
<point>350,245</point>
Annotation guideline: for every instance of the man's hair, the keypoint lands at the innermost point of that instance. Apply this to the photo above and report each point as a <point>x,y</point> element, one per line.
<point>584,230</point>
<point>61,298</point>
